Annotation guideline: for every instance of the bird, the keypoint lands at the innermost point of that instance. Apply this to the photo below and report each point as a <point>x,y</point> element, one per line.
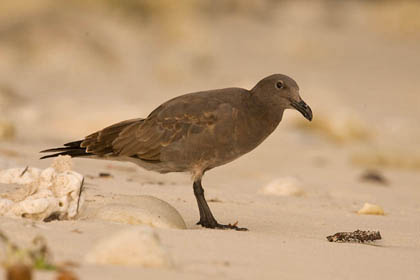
<point>195,133</point>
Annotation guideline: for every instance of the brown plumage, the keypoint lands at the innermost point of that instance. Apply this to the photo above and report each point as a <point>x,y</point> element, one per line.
<point>196,132</point>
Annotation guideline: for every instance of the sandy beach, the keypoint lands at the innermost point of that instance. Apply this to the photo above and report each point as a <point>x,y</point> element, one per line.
<point>68,70</point>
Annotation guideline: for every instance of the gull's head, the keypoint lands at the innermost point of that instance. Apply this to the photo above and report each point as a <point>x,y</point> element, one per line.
<point>283,92</point>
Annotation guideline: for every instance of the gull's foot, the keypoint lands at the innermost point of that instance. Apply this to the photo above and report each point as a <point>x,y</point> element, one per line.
<point>216,225</point>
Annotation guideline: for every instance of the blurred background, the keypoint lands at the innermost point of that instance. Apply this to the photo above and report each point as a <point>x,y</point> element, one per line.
<point>68,68</point>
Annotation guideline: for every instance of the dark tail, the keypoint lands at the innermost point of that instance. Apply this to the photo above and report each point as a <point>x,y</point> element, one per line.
<point>72,149</point>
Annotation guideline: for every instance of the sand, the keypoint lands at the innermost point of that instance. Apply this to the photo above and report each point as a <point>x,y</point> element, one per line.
<point>359,75</point>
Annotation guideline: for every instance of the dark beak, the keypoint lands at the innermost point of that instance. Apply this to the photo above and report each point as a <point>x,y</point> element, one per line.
<point>303,108</point>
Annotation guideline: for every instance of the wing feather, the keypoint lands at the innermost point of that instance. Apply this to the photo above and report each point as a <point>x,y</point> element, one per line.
<point>163,127</point>
<point>100,142</point>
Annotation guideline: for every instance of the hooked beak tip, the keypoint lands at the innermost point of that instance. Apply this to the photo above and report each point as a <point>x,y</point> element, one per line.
<point>304,109</point>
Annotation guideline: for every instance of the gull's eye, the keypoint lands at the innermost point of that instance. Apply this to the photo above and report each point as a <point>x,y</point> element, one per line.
<point>279,84</point>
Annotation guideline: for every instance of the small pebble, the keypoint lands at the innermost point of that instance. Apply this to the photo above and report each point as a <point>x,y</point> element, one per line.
<point>287,186</point>
<point>371,209</point>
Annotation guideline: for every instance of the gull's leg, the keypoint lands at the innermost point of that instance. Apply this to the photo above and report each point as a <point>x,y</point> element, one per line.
<point>206,217</point>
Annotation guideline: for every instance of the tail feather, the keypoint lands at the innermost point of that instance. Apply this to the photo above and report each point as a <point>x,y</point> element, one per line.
<point>99,143</point>
<point>61,149</point>
<point>72,149</point>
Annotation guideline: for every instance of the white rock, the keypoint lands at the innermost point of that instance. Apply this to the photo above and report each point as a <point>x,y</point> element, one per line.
<point>147,210</point>
<point>47,175</point>
<point>63,164</point>
<point>42,192</point>
<point>371,209</point>
<point>139,246</point>
<point>34,205</point>
<point>5,205</point>
<point>66,183</point>
<point>287,186</point>
<point>18,176</point>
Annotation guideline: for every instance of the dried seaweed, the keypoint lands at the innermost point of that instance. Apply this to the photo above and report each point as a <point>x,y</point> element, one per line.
<point>358,236</point>
<point>105,175</point>
<point>53,217</point>
<point>374,176</point>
